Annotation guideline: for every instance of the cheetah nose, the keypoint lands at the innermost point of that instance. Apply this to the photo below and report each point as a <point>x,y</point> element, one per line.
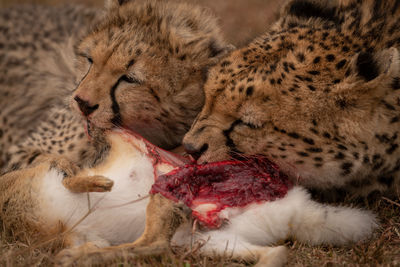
<point>84,106</point>
<point>194,152</point>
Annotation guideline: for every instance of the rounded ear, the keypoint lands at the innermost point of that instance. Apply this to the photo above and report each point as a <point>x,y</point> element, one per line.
<point>371,76</point>
<point>111,4</point>
<point>389,62</point>
<point>384,64</point>
<point>215,58</point>
<point>216,53</point>
<point>306,9</point>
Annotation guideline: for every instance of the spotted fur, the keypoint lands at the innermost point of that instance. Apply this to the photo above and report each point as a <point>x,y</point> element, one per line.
<point>318,94</point>
<point>141,66</point>
<point>35,77</point>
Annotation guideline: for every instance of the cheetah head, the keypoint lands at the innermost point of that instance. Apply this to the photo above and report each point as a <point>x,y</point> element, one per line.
<point>143,68</point>
<point>304,95</point>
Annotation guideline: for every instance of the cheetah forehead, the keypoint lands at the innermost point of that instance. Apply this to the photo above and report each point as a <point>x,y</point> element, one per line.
<point>312,49</point>
<point>176,29</point>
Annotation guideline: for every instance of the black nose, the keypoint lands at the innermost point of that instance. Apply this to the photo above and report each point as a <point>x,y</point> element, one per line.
<point>85,107</point>
<point>195,153</point>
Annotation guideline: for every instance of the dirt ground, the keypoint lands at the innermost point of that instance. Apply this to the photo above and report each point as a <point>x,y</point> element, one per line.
<point>241,21</point>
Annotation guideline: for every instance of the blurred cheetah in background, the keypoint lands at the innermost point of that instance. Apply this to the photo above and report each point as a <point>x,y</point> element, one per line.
<point>141,66</point>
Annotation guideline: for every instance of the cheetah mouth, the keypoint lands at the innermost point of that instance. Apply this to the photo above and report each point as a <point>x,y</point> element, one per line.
<point>91,127</point>
<point>88,128</point>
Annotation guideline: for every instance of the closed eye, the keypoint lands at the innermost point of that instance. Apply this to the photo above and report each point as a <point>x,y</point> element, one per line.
<point>90,60</point>
<point>252,125</point>
<point>130,79</point>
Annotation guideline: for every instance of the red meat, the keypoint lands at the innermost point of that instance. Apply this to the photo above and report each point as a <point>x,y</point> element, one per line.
<point>222,184</point>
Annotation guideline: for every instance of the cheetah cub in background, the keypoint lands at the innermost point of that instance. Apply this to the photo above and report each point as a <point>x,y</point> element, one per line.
<point>141,65</point>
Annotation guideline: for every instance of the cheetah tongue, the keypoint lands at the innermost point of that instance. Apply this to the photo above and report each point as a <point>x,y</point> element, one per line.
<point>210,188</point>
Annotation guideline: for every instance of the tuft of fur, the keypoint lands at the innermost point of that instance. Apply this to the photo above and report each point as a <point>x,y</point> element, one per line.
<point>317,223</point>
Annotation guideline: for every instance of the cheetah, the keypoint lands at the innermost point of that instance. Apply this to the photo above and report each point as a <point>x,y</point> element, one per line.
<point>45,203</point>
<point>141,66</point>
<point>318,94</point>
<point>35,76</point>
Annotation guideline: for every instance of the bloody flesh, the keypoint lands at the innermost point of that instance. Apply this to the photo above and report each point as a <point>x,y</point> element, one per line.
<point>223,184</point>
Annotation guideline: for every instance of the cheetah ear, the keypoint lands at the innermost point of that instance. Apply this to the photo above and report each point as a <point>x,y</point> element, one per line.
<point>371,76</point>
<point>111,4</point>
<point>377,68</point>
<point>216,54</point>
<point>306,9</point>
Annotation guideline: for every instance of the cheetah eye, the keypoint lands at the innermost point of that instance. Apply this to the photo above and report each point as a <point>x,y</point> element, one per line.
<point>252,125</point>
<point>90,60</point>
<point>87,57</point>
<point>130,79</point>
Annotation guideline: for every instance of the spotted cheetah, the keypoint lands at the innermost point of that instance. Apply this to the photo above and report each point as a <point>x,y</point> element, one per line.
<point>34,75</point>
<point>318,94</point>
<point>140,66</point>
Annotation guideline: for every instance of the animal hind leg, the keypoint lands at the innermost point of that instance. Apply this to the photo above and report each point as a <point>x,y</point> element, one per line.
<point>233,247</point>
<point>271,256</point>
<point>163,217</point>
<point>262,256</point>
<point>77,248</point>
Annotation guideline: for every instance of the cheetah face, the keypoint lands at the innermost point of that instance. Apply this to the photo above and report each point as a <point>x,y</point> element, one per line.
<point>311,112</point>
<point>138,94</point>
<point>143,71</point>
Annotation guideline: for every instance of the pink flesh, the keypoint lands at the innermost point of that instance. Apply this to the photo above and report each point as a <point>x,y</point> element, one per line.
<point>158,155</point>
<point>222,184</point>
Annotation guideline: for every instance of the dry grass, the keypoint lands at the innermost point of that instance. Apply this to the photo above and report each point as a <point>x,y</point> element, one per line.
<point>381,250</point>
<point>241,21</point>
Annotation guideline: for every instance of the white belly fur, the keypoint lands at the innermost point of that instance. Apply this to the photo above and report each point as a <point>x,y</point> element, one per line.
<point>248,228</point>
<point>132,173</point>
